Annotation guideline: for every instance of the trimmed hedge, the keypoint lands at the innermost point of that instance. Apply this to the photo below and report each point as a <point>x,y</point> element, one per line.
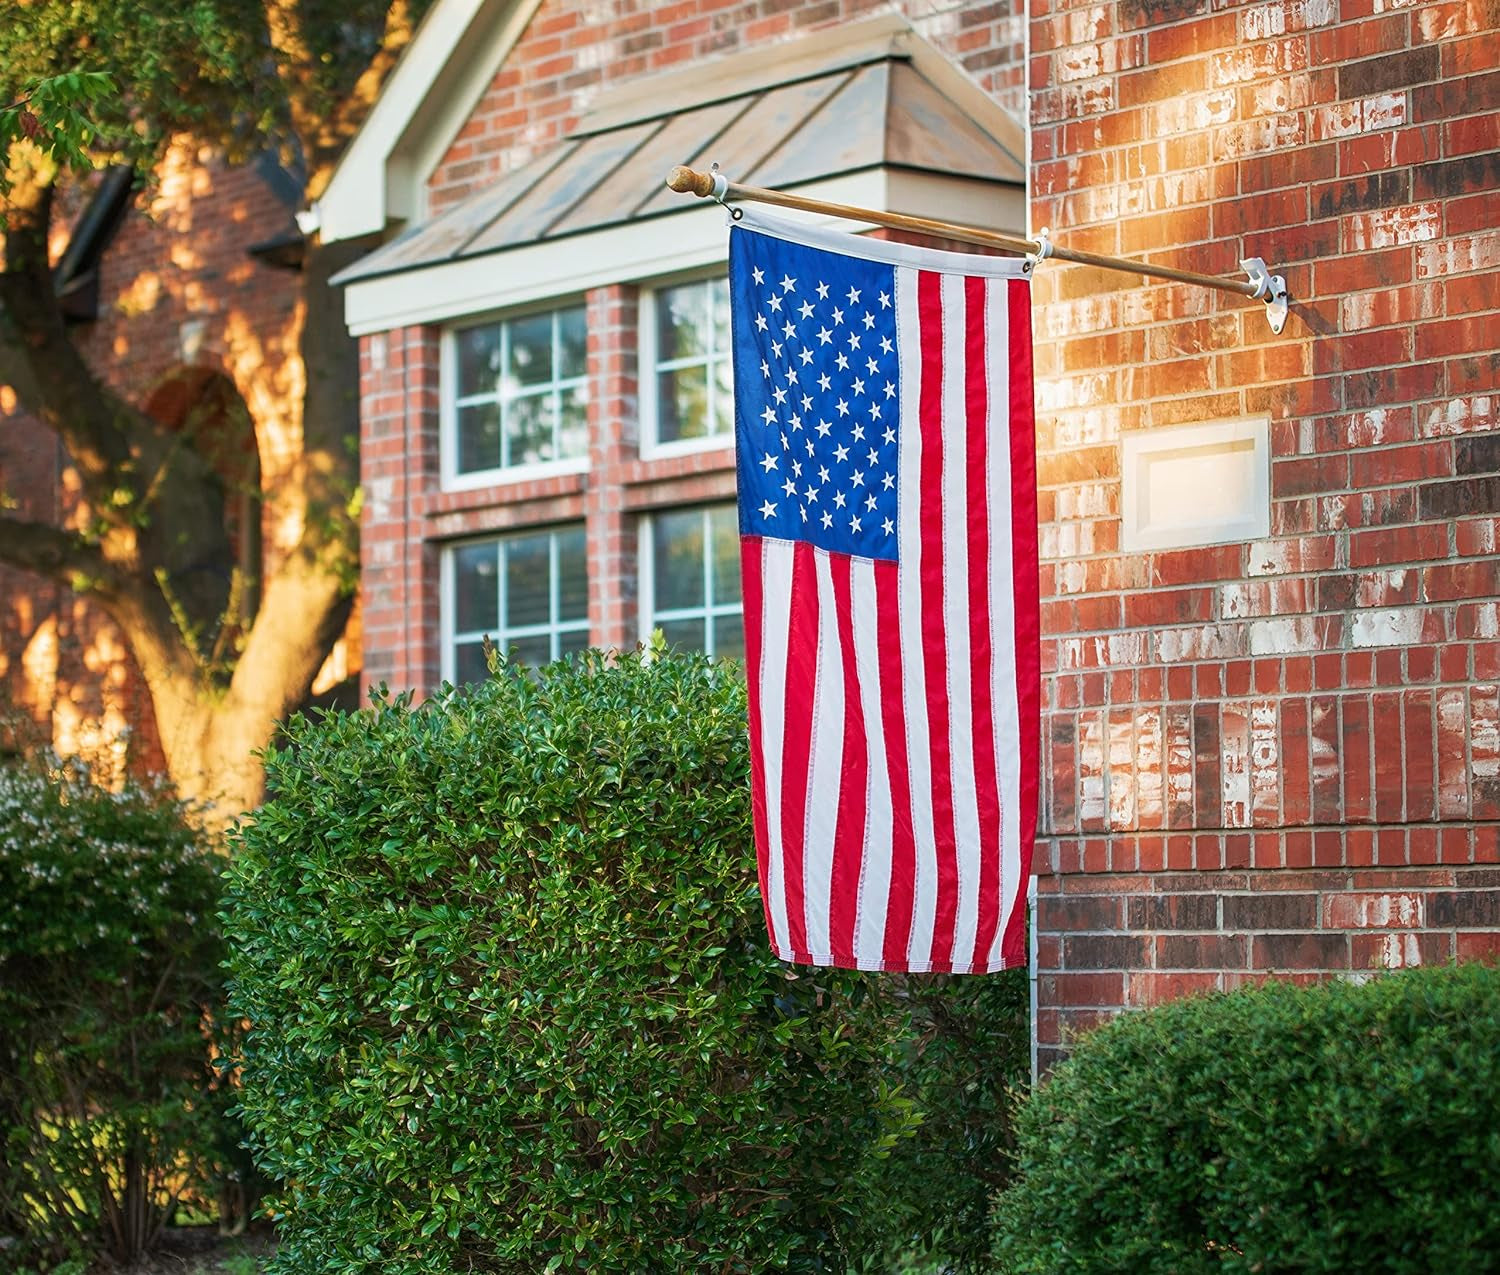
<point>110,1115</point>
<point>1328,1128</point>
<point>513,1007</point>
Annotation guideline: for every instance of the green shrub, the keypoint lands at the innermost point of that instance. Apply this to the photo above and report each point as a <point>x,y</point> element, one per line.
<point>109,978</point>
<point>512,1004</point>
<point>1331,1128</point>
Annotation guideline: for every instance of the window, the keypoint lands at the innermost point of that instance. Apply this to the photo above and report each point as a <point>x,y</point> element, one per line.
<point>520,393</point>
<point>691,585</point>
<point>529,594</point>
<point>687,348</point>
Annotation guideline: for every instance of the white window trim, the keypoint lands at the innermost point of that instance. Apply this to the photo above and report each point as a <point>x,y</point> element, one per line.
<point>505,476</point>
<point>449,636</point>
<point>648,619</point>
<point>646,375</point>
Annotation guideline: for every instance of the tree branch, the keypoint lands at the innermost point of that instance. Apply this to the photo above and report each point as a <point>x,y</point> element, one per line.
<point>50,551</point>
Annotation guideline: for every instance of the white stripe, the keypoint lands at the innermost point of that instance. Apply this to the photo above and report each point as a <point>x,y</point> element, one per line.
<point>956,621</point>
<point>1005,708</point>
<point>875,870</point>
<point>776,609</point>
<point>825,764</point>
<point>909,623</point>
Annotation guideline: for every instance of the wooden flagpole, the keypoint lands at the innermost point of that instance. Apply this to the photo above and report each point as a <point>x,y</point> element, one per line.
<point>1261,284</point>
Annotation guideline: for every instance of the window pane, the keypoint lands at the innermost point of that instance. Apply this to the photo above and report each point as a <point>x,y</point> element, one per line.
<point>724,527</point>
<point>719,290</point>
<point>476,589</point>
<point>570,643</point>
<point>572,577</point>
<point>478,438</point>
<point>723,395</point>
<point>682,322</point>
<point>534,651</point>
<point>528,430</point>
<point>478,360</point>
<point>531,350</point>
<point>573,424</point>
<point>687,634</point>
<point>468,663</point>
<point>572,343</point>
<point>683,399</point>
<point>528,575</point>
<point>677,557</point>
<point>729,637</point>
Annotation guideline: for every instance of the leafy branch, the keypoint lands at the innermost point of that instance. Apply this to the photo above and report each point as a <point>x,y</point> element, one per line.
<point>55,115</point>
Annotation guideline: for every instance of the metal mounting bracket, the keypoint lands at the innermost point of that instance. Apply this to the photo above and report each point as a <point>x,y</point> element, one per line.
<point>1270,288</point>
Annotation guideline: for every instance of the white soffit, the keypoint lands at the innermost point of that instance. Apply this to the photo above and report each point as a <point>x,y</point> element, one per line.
<point>643,249</point>
<point>454,55</point>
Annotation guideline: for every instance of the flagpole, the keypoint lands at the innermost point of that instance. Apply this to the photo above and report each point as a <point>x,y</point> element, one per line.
<point>1260,285</point>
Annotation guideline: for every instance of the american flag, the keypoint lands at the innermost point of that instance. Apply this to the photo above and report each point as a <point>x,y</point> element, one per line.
<point>887,507</point>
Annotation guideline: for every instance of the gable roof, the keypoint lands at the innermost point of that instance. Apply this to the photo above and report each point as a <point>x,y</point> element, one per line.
<point>871,95</point>
<point>451,60</point>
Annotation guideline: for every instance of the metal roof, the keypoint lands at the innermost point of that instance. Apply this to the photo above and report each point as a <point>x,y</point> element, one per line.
<point>832,105</point>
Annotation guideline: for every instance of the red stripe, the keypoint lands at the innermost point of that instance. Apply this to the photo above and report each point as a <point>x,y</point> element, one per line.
<point>752,550</point>
<point>981,656</point>
<point>801,685</point>
<point>849,832</point>
<point>934,646</point>
<point>1028,618</point>
<point>899,903</point>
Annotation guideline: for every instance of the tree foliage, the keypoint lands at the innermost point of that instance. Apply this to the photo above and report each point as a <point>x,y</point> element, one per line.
<point>290,77</point>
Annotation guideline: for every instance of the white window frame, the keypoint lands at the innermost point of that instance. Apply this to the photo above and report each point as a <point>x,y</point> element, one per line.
<point>449,402</point>
<point>646,557</point>
<point>648,371</point>
<point>502,638</point>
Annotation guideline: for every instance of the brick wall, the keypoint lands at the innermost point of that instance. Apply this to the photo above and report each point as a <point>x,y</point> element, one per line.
<point>1281,756</point>
<point>574,48</point>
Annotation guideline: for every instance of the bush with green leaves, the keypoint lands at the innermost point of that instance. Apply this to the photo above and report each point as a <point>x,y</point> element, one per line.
<point>1328,1128</point>
<point>512,1005</point>
<point>109,980</point>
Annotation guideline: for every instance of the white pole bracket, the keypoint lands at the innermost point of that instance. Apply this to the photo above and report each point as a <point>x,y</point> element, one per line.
<point>1270,288</point>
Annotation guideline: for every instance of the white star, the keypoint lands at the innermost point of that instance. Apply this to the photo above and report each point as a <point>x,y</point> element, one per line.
<point>767,510</point>
<point>885,301</point>
<point>887,527</point>
<point>776,348</point>
<point>842,407</point>
<point>803,508</point>
<point>872,366</point>
<point>838,499</point>
<point>824,336</point>
<point>857,478</point>
<point>796,422</point>
<point>890,390</point>
<point>760,323</point>
<point>841,453</point>
<point>784,443</point>
<point>870,504</point>
<point>888,481</point>
<point>758,274</point>
<point>806,357</point>
<point>789,487</point>
<point>779,395</point>
<point>827,520</point>
<point>775,302</point>
<point>859,387</point>
<point>809,447</point>
<point>853,295</point>
<point>869,320</point>
<point>854,526</point>
<point>812,495</point>
<point>838,316</point>
<point>822,473</point>
<point>791,376</point>
<point>889,435</point>
<point>805,309</point>
<point>874,411</point>
<point>823,428</point>
<point>885,345</point>
<point>768,462</point>
<point>796,469</point>
<point>768,415</point>
<point>874,458</point>
<point>807,402</point>
<point>822,292</point>
<point>843,363</point>
<point>788,284</point>
<point>824,382</point>
<point>859,433</point>
<point>788,330</point>
<point>854,340</point>
<point>765,368</point>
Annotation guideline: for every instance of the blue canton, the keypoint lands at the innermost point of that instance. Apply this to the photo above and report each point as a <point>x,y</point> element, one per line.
<point>816,395</point>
